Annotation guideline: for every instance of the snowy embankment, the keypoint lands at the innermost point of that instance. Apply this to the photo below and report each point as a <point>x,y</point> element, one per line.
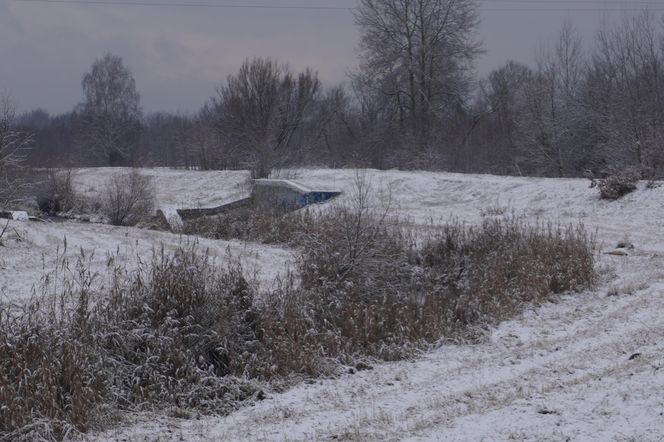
<point>34,252</point>
<point>174,188</point>
<point>588,366</point>
<point>425,197</point>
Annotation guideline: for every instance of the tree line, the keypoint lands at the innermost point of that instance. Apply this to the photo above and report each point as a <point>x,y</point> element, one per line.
<point>413,103</point>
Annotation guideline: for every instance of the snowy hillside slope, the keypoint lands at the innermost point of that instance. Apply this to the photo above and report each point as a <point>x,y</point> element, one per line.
<point>588,366</point>
<point>424,197</point>
<point>175,188</point>
<point>32,252</point>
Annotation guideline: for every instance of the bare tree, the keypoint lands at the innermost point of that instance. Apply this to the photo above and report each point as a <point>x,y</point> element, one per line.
<point>203,147</point>
<point>625,95</point>
<point>548,129</point>
<point>333,133</point>
<point>378,127</point>
<point>261,109</point>
<point>111,111</point>
<point>574,114</point>
<point>14,145</point>
<point>499,110</point>
<point>419,55</point>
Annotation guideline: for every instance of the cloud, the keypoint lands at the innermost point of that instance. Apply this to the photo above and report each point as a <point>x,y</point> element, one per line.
<point>180,55</point>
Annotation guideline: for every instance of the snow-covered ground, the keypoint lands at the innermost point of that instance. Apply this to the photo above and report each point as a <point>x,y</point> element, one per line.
<point>182,189</point>
<point>33,252</point>
<point>425,197</point>
<point>588,366</point>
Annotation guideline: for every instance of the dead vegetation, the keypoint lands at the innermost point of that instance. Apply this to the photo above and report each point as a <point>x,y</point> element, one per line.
<point>267,225</point>
<point>129,199</point>
<point>188,335</point>
<point>57,192</point>
<point>176,334</point>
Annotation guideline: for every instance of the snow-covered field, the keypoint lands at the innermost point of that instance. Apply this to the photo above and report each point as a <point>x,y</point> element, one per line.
<point>588,366</point>
<point>35,251</point>
<point>174,188</point>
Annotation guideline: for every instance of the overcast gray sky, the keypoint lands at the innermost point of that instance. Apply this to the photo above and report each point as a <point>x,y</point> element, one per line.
<point>180,55</point>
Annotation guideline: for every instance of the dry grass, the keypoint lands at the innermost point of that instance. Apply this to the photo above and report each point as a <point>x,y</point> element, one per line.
<point>176,334</point>
<point>371,291</point>
<point>490,271</point>
<point>252,223</point>
<point>49,381</point>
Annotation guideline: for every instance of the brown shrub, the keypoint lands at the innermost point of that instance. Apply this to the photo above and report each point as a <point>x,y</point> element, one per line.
<point>256,224</point>
<point>367,289</point>
<point>129,199</point>
<point>495,268</point>
<point>618,183</point>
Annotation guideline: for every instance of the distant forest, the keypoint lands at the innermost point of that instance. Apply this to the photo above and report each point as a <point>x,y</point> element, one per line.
<point>415,102</point>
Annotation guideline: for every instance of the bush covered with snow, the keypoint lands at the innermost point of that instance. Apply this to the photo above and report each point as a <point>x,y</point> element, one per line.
<point>618,183</point>
<point>57,192</point>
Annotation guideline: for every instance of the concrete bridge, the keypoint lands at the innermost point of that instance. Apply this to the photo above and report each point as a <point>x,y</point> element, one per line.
<point>266,193</point>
